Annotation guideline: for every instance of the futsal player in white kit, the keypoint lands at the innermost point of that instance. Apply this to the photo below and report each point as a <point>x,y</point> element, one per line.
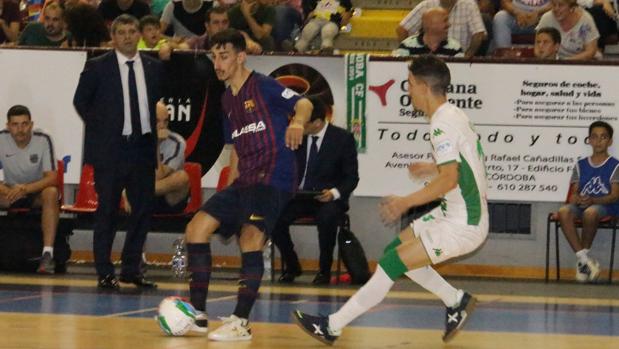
<point>458,226</point>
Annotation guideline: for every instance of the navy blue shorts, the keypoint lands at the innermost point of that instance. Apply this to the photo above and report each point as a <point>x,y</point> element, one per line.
<point>25,202</point>
<point>259,205</point>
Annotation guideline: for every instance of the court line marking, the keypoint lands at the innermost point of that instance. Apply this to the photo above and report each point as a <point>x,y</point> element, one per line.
<point>20,298</point>
<point>146,310</point>
<point>321,291</point>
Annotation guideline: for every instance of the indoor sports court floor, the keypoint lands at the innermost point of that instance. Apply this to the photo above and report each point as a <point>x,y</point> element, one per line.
<point>66,311</point>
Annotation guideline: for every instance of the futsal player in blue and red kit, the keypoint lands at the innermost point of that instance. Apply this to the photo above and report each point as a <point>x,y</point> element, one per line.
<point>263,178</point>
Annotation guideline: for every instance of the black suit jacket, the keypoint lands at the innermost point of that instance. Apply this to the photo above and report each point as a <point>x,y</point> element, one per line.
<point>99,102</point>
<point>337,165</point>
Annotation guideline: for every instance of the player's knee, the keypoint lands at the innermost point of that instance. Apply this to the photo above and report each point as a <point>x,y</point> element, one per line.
<point>183,177</point>
<point>591,213</point>
<point>565,211</point>
<point>392,264</point>
<point>251,239</point>
<point>199,229</point>
<point>49,195</point>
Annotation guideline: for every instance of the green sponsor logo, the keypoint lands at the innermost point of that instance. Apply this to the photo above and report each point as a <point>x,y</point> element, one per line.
<point>443,206</point>
<point>427,218</point>
<point>438,252</point>
<point>437,132</point>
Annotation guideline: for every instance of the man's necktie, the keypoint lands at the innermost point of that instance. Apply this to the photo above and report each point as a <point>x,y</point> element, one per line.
<point>136,124</point>
<point>310,171</point>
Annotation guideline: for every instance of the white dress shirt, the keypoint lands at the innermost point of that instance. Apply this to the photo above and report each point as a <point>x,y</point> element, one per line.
<point>142,92</point>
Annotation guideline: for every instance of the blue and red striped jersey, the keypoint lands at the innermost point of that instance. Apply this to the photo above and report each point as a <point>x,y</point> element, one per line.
<point>255,121</point>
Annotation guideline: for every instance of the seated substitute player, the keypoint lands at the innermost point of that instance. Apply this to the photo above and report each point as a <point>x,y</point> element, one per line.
<point>262,175</point>
<point>171,180</point>
<point>27,158</point>
<point>594,194</point>
<point>456,227</point>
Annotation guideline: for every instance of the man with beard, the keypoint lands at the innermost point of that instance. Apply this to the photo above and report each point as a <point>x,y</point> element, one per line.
<point>50,32</point>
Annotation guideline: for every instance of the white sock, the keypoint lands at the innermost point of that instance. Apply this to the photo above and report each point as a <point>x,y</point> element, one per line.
<point>432,281</point>
<point>49,249</point>
<point>372,293</point>
<point>583,256</point>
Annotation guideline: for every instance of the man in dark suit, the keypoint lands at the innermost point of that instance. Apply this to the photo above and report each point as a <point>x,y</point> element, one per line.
<point>331,169</point>
<point>116,98</point>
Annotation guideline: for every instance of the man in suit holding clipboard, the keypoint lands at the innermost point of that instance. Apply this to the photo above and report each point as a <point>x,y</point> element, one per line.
<point>328,174</point>
<point>116,98</point>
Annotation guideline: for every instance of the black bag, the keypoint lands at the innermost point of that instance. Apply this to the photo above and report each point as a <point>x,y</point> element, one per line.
<point>353,257</point>
<point>21,243</point>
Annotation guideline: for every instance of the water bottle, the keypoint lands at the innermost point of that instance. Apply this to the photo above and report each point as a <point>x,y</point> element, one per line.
<point>266,255</point>
<point>179,259</point>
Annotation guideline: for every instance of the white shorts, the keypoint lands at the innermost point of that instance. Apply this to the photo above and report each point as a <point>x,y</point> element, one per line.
<point>445,240</point>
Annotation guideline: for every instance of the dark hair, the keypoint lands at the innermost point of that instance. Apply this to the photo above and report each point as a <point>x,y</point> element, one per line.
<point>124,19</point>
<point>433,71</point>
<point>320,108</point>
<point>603,124</point>
<point>86,25</point>
<point>554,34</point>
<point>149,20</point>
<point>218,10</point>
<point>53,5</point>
<point>229,36</point>
<point>17,110</point>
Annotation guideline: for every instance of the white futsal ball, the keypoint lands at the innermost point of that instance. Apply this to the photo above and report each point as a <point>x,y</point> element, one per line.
<point>175,316</point>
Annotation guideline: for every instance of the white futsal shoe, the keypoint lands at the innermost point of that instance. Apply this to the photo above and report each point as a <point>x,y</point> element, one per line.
<point>588,272</point>
<point>233,329</point>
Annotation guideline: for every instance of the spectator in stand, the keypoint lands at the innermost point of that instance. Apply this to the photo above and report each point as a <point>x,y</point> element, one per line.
<point>579,35</point>
<point>216,20</point>
<point>50,32</point>
<point>465,23</point>
<point>27,158</point>
<point>256,18</point>
<point>432,38</point>
<point>157,6</point>
<point>547,43</point>
<point>288,19</point>
<point>9,21</point>
<point>150,28</point>
<point>110,9</point>
<point>517,17</point>
<point>186,17</point>
<point>605,18</point>
<point>86,25</point>
<point>326,18</point>
<point>152,39</point>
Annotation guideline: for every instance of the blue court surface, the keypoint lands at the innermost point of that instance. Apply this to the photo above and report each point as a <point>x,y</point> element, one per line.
<point>568,309</point>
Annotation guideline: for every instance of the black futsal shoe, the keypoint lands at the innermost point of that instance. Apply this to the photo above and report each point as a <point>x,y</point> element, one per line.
<point>108,283</point>
<point>316,326</point>
<point>138,280</point>
<point>456,317</point>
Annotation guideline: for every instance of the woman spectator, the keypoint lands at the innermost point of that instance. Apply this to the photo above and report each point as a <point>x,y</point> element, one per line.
<point>186,17</point>
<point>579,35</point>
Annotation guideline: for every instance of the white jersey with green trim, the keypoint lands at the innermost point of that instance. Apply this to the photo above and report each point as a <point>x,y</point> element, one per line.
<point>454,139</point>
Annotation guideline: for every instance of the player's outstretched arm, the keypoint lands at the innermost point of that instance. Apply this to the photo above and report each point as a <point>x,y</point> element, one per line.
<point>423,170</point>
<point>392,207</point>
<point>294,133</point>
